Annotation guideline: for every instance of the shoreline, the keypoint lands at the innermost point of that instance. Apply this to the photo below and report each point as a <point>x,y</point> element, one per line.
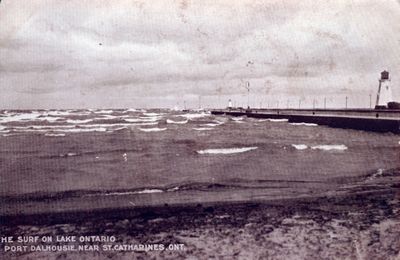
<point>357,224</point>
<point>189,208</point>
<point>68,205</point>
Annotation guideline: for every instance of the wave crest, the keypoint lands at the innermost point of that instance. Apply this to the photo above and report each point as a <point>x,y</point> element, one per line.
<point>169,121</point>
<point>339,147</point>
<point>227,150</point>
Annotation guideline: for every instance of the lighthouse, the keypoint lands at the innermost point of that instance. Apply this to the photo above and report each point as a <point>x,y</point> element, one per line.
<point>384,95</point>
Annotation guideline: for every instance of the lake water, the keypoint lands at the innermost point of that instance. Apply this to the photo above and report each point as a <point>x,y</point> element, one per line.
<point>134,152</point>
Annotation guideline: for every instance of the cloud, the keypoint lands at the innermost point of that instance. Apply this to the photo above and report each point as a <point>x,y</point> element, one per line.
<point>152,49</point>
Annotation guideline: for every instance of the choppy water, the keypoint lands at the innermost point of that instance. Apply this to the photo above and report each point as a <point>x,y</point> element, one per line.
<point>134,151</point>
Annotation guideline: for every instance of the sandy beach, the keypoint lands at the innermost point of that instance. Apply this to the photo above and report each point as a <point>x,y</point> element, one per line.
<point>361,220</point>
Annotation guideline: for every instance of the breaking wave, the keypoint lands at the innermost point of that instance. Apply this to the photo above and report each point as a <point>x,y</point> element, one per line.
<point>215,123</point>
<point>237,118</point>
<point>82,130</point>
<point>203,129</point>
<point>377,174</point>
<point>145,191</point>
<point>194,116</point>
<point>54,134</point>
<point>153,114</point>
<point>142,119</point>
<point>305,124</point>
<point>104,111</point>
<point>70,121</point>
<point>278,120</point>
<point>34,116</point>
<point>300,146</point>
<point>227,150</point>
<point>339,147</point>
<point>155,129</point>
<point>169,121</point>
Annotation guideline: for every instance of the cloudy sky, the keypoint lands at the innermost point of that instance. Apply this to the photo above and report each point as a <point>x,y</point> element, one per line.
<point>158,53</point>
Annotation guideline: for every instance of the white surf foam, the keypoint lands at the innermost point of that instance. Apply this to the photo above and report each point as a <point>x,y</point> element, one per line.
<point>71,121</point>
<point>155,129</point>
<point>119,124</point>
<point>300,146</point>
<point>48,118</point>
<point>339,147</point>
<point>173,189</point>
<point>377,174</point>
<point>203,129</point>
<point>217,123</point>
<point>68,155</point>
<point>104,111</point>
<point>120,128</point>
<point>145,191</point>
<point>226,150</point>
<point>144,124</point>
<point>169,121</point>
<point>237,118</point>
<point>68,113</point>
<point>83,130</point>
<point>35,127</point>
<point>20,117</point>
<point>153,114</point>
<point>278,120</point>
<point>72,129</point>
<point>54,135</point>
<point>149,191</point>
<point>42,128</point>
<point>194,116</point>
<point>141,119</point>
<point>153,118</point>
<point>305,124</point>
<point>102,117</point>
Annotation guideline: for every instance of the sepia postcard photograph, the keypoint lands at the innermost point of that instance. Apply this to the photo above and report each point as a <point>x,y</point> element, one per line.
<point>200,129</point>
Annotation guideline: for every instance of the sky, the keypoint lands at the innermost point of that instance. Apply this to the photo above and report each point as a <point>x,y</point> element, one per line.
<point>162,53</point>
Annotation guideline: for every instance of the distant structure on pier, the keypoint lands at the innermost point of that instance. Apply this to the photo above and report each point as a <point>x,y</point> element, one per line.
<point>384,95</point>
<point>384,99</point>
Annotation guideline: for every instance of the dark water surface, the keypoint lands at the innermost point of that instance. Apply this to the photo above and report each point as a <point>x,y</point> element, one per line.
<point>120,152</point>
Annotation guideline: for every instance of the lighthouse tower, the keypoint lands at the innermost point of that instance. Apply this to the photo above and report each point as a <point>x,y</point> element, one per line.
<point>384,95</point>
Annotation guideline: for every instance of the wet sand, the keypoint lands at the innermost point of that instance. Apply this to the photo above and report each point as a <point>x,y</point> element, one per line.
<point>360,220</point>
